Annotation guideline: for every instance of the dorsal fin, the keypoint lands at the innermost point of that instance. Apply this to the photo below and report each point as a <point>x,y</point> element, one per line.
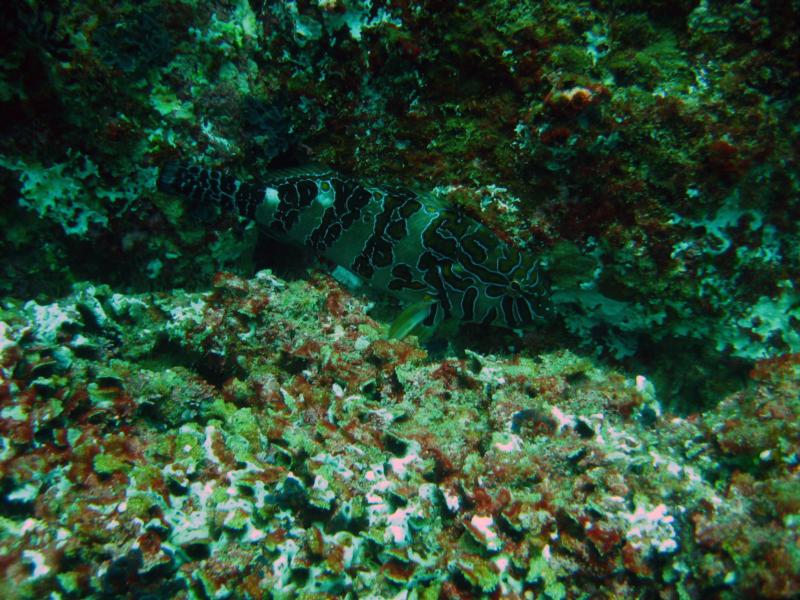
<point>306,170</point>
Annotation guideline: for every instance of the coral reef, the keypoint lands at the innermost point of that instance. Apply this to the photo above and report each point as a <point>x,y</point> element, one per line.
<point>265,438</point>
<point>190,410</point>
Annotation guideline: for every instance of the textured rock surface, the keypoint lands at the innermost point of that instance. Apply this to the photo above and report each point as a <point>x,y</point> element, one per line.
<point>189,411</point>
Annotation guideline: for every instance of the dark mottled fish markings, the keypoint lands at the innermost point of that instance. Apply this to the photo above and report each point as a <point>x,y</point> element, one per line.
<point>408,244</point>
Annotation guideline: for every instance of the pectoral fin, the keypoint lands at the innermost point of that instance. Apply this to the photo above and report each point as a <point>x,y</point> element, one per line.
<point>410,318</point>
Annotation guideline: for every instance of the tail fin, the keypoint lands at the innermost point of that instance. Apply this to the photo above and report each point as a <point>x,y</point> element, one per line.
<point>208,189</point>
<point>168,177</point>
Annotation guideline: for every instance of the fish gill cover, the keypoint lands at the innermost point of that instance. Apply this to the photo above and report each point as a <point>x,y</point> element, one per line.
<point>190,407</point>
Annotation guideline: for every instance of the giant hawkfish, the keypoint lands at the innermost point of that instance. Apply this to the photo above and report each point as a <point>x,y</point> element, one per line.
<point>440,263</point>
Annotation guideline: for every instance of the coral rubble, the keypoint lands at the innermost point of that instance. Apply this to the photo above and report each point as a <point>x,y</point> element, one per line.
<point>190,410</point>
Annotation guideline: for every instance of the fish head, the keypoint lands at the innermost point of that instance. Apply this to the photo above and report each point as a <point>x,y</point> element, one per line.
<point>520,294</point>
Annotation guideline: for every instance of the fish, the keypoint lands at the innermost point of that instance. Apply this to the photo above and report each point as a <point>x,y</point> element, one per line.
<point>438,261</point>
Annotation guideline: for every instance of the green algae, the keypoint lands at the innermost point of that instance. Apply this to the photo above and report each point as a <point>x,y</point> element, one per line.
<point>540,570</point>
<point>180,432</point>
<point>560,410</point>
<point>105,464</point>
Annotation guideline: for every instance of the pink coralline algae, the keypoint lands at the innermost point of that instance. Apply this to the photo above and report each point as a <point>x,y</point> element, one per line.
<point>325,459</point>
